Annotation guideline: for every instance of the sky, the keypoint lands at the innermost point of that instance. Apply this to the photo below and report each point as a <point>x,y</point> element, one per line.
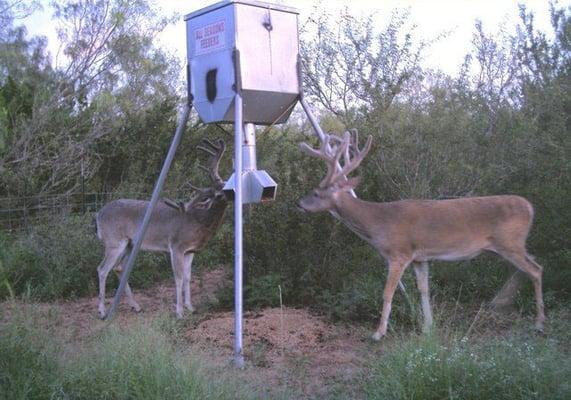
<point>433,17</point>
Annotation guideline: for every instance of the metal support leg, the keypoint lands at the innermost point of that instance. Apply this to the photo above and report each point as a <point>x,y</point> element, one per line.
<point>238,262</point>
<point>312,118</point>
<point>154,198</point>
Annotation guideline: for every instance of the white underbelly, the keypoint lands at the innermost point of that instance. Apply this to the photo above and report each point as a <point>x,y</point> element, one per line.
<point>448,256</point>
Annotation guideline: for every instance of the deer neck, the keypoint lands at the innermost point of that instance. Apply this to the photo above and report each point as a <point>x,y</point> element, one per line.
<point>352,212</point>
<point>213,216</point>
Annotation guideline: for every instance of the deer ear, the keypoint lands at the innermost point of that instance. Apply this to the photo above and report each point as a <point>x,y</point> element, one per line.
<point>349,184</point>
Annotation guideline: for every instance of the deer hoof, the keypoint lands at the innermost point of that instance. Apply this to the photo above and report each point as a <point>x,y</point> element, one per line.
<point>137,309</point>
<point>376,336</point>
<point>190,308</point>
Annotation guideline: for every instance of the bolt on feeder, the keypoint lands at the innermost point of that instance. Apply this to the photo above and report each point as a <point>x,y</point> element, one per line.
<point>243,69</point>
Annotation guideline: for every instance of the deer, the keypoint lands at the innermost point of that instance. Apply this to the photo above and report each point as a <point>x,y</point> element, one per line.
<point>176,227</point>
<point>415,232</point>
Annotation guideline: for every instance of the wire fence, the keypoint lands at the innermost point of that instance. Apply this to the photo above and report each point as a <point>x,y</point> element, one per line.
<point>19,213</point>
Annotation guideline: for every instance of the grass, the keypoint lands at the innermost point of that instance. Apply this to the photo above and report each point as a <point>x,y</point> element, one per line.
<point>28,362</point>
<point>59,259</point>
<point>142,361</point>
<point>451,366</point>
<point>149,359</point>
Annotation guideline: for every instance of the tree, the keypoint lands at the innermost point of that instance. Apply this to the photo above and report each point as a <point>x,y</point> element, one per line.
<point>113,75</point>
<point>356,72</point>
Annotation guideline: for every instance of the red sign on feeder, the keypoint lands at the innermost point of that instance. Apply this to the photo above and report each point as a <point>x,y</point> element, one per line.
<point>209,38</point>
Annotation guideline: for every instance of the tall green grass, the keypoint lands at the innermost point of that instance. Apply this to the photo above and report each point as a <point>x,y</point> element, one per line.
<point>433,367</point>
<point>28,360</point>
<point>144,361</point>
<point>59,258</point>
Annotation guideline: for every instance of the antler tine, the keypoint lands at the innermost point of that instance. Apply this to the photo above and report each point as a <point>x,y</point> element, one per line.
<point>195,188</point>
<point>215,150</point>
<point>332,160</point>
<point>331,155</point>
<point>216,162</point>
<point>359,156</point>
<point>354,142</point>
<point>209,147</point>
<point>321,153</point>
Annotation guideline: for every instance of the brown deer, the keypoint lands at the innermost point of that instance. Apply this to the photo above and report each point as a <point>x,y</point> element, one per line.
<point>179,228</point>
<point>416,231</point>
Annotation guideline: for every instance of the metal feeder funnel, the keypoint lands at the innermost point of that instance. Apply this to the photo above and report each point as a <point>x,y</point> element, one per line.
<point>257,186</point>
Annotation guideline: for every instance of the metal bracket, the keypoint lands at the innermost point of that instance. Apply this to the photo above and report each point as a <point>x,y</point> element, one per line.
<point>299,77</point>
<point>237,87</point>
<point>189,96</point>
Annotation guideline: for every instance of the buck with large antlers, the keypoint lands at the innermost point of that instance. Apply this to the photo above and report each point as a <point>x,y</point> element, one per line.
<point>417,231</point>
<point>179,228</point>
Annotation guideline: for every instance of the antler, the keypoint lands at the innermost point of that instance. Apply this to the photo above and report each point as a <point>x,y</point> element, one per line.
<point>215,150</point>
<point>332,154</point>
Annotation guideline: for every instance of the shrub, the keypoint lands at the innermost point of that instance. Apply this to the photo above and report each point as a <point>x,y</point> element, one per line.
<point>28,365</point>
<point>143,361</point>
<point>59,258</point>
<point>430,367</point>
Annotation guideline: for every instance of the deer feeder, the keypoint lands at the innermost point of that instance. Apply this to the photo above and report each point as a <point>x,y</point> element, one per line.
<point>243,69</point>
<point>248,48</point>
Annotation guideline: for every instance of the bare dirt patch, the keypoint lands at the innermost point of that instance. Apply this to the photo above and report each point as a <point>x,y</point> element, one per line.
<point>290,353</point>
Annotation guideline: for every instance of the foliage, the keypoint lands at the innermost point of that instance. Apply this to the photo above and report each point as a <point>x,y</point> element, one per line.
<point>433,367</point>
<point>59,260</point>
<point>141,361</point>
<point>28,363</point>
<point>500,125</point>
<point>55,121</point>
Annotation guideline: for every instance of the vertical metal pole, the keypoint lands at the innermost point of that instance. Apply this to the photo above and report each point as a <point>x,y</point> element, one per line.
<point>154,198</point>
<point>238,261</point>
<point>249,148</point>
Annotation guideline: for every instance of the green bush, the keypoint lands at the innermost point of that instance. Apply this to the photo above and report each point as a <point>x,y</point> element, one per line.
<point>59,259</point>
<point>429,367</point>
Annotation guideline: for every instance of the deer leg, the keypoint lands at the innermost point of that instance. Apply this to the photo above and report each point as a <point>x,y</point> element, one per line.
<point>527,264</point>
<point>396,269</point>
<point>188,257</point>
<point>128,293</point>
<point>506,296</point>
<point>177,261</point>
<point>421,272</point>
<point>112,256</point>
